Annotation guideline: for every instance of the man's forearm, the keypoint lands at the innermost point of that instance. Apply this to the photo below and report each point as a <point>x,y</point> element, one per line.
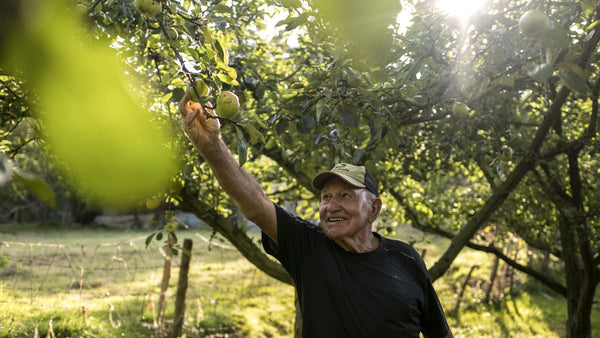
<point>241,186</point>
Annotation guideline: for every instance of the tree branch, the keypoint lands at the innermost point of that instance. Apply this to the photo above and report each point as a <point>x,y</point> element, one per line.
<point>191,202</point>
<point>502,192</point>
<point>416,223</point>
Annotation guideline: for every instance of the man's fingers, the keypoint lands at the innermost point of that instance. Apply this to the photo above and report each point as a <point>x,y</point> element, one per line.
<point>183,103</point>
<point>189,118</point>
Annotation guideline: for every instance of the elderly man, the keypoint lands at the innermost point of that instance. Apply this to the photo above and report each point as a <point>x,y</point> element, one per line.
<point>351,282</point>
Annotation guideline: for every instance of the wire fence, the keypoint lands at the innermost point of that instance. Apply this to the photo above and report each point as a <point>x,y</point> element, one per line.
<point>116,284</point>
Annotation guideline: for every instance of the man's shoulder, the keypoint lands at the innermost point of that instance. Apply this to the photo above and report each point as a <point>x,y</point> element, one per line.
<point>398,246</point>
<point>407,253</point>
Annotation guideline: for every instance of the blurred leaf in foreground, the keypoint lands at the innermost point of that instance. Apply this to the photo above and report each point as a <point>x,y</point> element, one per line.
<point>107,143</point>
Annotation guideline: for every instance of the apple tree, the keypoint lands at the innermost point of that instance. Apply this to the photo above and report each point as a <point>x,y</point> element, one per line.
<point>481,129</point>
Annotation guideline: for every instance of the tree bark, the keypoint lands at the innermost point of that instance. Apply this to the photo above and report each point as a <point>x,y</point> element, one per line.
<point>182,284</point>
<point>164,285</point>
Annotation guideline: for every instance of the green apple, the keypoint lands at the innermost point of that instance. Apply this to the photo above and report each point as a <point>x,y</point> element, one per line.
<point>533,23</point>
<point>172,33</point>
<point>228,105</point>
<point>152,203</point>
<point>171,226</point>
<point>460,109</point>
<point>271,144</point>
<point>148,8</point>
<point>197,90</point>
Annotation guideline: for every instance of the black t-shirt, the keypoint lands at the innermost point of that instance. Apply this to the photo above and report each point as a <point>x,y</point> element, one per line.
<point>383,293</point>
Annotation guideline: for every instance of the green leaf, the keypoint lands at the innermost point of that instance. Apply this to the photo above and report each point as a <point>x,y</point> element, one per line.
<point>186,251</point>
<point>149,239</point>
<point>37,186</point>
<point>305,124</point>
<point>177,94</point>
<point>222,8</point>
<point>159,236</point>
<point>320,108</point>
<point>296,21</point>
<point>282,126</point>
<point>221,50</point>
<point>255,134</point>
<point>540,73</point>
<point>573,76</point>
<point>592,25</point>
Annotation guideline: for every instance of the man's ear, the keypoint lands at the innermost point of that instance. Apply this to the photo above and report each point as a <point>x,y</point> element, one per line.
<point>375,209</point>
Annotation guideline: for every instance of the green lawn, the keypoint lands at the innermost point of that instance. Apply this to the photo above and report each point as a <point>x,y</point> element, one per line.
<point>49,274</point>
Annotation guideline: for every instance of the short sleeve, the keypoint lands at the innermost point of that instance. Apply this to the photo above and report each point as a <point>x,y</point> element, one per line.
<point>294,237</point>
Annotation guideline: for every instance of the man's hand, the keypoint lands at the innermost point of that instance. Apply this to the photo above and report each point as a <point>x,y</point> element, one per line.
<point>200,124</point>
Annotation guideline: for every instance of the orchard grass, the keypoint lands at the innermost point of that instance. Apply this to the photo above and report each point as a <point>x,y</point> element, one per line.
<point>48,274</point>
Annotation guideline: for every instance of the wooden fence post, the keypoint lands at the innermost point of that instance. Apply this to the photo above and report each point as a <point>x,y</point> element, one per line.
<point>182,284</point>
<point>164,285</point>
<point>462,291</point>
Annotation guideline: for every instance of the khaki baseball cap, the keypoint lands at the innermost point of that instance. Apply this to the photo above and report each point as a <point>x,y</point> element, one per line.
<point>357,176</point>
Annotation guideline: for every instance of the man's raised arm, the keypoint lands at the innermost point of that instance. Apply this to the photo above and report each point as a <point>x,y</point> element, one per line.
<point>243,188</point>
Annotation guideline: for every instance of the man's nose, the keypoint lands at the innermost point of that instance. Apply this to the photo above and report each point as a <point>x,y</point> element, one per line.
<point>333,204</point>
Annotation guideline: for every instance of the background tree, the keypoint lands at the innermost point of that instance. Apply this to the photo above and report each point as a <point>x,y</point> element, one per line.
<point>519,163</point>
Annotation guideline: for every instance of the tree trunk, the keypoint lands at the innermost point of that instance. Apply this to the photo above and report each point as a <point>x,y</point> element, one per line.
<point>581,286</point>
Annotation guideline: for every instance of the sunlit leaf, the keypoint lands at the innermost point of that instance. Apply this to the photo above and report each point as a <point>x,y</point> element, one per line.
<point>37,186</point>
<point>222,8</point>
<point>106,141</point>
<point>255,135</point>
<point>221,50</point>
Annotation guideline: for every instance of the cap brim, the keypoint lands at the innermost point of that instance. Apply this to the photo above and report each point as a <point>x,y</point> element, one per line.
<point>320,179</point>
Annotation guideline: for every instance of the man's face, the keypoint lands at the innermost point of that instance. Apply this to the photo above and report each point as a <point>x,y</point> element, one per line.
<point>346,212</point>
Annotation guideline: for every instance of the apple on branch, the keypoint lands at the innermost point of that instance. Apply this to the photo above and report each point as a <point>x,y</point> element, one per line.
<point>460,109</point>
<point>228,105</point>
<point>148,8</point>
<point>533,23</point>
